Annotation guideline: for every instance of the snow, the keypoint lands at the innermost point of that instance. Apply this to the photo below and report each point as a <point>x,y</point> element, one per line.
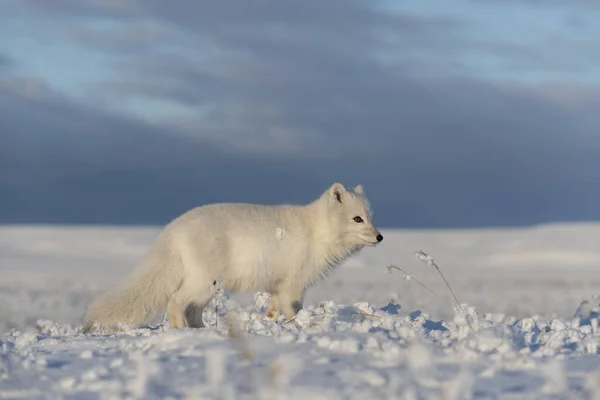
<point>522,330</point>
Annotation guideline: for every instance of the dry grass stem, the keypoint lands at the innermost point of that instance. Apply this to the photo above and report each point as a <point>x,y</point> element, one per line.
<point>366,314</point>
<point>252,310</point>
<point>421,255</point>
<point>412,278</point>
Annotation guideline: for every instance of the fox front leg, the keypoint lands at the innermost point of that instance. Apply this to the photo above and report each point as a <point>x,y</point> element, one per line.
<point>291,300</point>
<point>274,309</point>
<point>288,299</point>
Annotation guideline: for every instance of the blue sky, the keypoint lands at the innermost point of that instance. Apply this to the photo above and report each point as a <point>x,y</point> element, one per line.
<point>492,102</point>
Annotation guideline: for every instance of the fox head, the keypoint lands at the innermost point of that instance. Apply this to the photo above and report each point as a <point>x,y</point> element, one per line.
<point>350,217</point>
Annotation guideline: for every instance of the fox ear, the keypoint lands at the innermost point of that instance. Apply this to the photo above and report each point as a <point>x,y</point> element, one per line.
<point>358,189</point>
<point>336,192</point>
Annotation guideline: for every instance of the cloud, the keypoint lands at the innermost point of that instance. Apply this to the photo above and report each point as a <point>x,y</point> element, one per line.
<point>83,165</point>
<point>542,3</point>
<point>5,62</point>
<point>65,162</point>
<point>274,101</point>
<point>85,8</point>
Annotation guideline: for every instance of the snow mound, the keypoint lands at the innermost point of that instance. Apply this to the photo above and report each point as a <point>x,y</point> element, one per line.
<point>329,351</point>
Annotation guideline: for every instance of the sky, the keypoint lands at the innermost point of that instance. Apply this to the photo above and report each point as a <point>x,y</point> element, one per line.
<point>451,114</point>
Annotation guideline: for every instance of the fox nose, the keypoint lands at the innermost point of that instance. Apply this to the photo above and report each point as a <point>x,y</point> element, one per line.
<point>379,238</point>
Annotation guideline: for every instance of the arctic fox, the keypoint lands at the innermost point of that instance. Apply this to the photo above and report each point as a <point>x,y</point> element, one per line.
<point>279,249</point>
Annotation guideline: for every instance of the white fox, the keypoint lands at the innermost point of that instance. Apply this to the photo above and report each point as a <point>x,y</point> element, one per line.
<point>279,249</point>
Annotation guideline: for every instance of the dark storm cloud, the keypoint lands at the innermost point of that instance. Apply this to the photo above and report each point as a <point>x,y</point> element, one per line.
<point>65,162</point>
<point>87,166</point>
<point>353,89</point>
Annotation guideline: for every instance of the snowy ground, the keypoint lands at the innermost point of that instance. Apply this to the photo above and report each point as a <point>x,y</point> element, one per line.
<point>364,333</point>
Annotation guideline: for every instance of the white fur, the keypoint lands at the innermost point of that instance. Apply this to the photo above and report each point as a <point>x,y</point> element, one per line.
<point>244,247</point>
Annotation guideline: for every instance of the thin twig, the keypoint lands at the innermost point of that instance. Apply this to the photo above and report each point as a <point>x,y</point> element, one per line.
<point>366,314</point>
<point>252,311</point>
<point>429,260</point>
<point>216,305</point>
<point>412,278</point>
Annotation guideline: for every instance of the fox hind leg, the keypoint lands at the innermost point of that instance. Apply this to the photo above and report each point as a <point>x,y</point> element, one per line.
<point>183,299</point>
<point>193,315</point>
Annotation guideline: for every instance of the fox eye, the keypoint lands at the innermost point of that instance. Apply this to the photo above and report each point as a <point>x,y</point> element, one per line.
<point>358,219</point>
